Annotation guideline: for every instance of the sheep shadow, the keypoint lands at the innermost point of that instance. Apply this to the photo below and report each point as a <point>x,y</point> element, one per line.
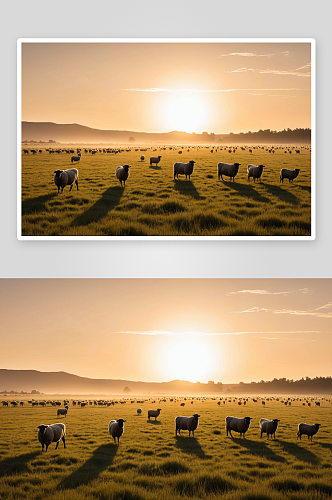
<point>155,167</point>
<point>16,465</point>
<point>305,188</point>
<point>100,460</point>
<point>35,205</point>
<point>260,449</point>
<point>154,422</point>
<point>108,201</point>
<point>187,188</point>
<point>190,445</point>
<point>282,194</point>
<point>326,445</point>
<point>247,191</point>
<point>299,452</point>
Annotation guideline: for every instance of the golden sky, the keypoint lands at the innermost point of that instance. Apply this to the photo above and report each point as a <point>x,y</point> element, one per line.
<point>226,330</point>
<point>160,87</point>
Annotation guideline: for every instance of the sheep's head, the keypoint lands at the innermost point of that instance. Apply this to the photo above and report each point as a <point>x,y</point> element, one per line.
<point>42,428</point>
<point>317,426</point>
<point>58,172</point>
<point>247,419</point>
<point>275,420</point>
<point>120,422</point>
<point>196,416</point>
<point>126,167</point>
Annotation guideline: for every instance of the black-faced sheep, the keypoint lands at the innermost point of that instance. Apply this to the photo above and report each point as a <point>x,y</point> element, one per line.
<point>268,427</point>
<point>186,424</point>
<point>255,171</point>
<point>235,424</point>
<point>183,169</point>
<point>228,169</point>
<point>285,173</point>
<point>308,430</point>
<point>154,159</point>
<point>76,158</point>
<point>48,434</point>
<point>154,413</point>
<point>115,428</point>
<point>64,178</point>
<point>122,174</point>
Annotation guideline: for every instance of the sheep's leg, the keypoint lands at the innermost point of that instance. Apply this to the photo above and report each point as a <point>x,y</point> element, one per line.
<point>64,441</point>
<point>56,447</point>
<point>71,187</point>
<point>76,182</point>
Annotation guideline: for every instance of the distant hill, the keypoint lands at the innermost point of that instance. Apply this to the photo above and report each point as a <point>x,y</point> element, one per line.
<point>66,383</point>
<point>74,133</point>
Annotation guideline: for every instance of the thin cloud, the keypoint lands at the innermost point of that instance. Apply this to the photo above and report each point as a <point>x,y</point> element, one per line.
<point>202,334</point>
<point>310,312</point>
<point>253,310</point>
<point>252,54</point>
<point>308,65</point>
<point>198,91</point>
<point>240,70</point>
<point>282,72</point>
<point>288,338</point>
<point>267,292</point>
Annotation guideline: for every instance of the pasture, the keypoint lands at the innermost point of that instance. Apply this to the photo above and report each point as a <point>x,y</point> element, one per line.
<point>154,204</point>
<point>152,463</point>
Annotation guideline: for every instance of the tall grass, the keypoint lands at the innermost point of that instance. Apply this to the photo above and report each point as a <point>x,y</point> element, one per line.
<point>154,204</point>
<point>151,462</point>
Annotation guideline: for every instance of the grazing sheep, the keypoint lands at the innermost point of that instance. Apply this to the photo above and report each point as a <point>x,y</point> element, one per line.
<point>268,427</point>
<point>235,424</point>
<point>255,171</point>
<point>139,411</point>
<point>142,158</point>
<point>154,159</point>
<point>228,169</point>
<point>308,430</point>
<point>285,173</point>
<point>64,178</point>
<point>48,434</point>
<point>154,413</point>
<point>76,158</point>
<point>122,174</point>
<point>115,428</point>
<point>183,169</point>
<point>63,411</point>
<point>186,424</point>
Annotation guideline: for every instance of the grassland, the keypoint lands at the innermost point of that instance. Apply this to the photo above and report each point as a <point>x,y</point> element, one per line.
<point>154,204</point>
<point>151,463</point>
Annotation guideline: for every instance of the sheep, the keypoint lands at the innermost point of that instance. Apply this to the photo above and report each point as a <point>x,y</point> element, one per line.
<point>142,158</point>
<point>186,424</point>
<point>183,169</point>
<point>115,428</point>
<point>228,169</point>
<point>154,413</point>
<point>64,178</point>
<point>154,159</point>
<point>63,411</point>
<point>285,173</point>
<point>139,411</point>
<point>268,426</point>
<point>76,158</point>
<point>255,172</point>
<point>48,434</point>
<point>122,173</point>
<point>308,430</point>
<point>235,424</point>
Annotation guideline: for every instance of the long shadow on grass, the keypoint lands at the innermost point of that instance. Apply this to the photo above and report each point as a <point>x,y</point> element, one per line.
<point>188,189</point>
<point>101,459</point>
<point>259,448</point>
<point>305,188</point>
<point>34,205</point>
<point>299,452</point>
<point>326,445</point>
<point>16,465</point>
<point>155,167</point>
<point>190,445</point>
<point>154,422</point>
<point>282,194</point>
<point>247,191</point>
<point>108,201</point>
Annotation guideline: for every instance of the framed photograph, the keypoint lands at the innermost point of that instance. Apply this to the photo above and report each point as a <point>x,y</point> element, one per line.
<point>166,139</point>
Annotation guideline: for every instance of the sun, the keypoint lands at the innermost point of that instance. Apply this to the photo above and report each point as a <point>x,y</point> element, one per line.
<point>185,114</point>
<point>188,360</point>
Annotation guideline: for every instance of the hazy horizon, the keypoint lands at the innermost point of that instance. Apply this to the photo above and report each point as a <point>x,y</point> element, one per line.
<point>153,330</point>
<point>160,87</point>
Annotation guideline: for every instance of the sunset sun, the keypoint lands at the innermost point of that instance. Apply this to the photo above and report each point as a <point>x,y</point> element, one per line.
<point>186,114</point>
<point>188,360</point>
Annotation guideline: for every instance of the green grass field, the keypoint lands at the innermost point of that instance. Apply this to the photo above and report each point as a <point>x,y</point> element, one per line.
<point>151,463</point>
<point>154,204</point>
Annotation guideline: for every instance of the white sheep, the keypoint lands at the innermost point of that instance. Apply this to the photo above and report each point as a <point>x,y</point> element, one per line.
<point>255,171</point>
<point>76,158</point>
<point>285,173</point>
<point>268,427</point>
<point>48,434</point>
<point>122,174</point>
<point>64,178</point>
<point>139,411</point>
<point>63,411</point>
<point>154,159</point>
<point>186,424</point>
<point>235,424</point>
<point>183,169</point>
<point>308,430</point>
<point>115,428</point>
<point>154,413</point>
<point>228,169</point>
